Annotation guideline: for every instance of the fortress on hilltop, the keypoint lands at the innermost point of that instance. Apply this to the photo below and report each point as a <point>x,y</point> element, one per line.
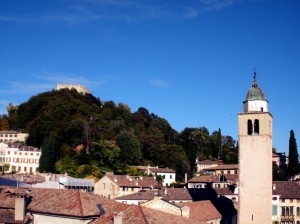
<point>79,88</point>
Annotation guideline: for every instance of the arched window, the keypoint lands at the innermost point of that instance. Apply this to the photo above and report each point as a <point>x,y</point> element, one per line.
<point>250,129</point>
<point>283,211</point>
<point>256,127</point>
<point>287,212</point>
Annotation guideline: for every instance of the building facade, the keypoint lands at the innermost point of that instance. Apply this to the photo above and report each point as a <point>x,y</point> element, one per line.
<point>21,158</point>
<point>255,158</point>
<point>12,136</point>
<point>79,88</point>
<point>112,186</point>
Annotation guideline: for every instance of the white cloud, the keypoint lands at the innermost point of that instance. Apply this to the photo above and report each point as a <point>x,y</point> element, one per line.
<point>160,83</point>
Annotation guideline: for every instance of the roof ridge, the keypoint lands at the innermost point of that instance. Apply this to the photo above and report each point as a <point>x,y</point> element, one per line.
<point>80,204</point>
<point>143,215</point>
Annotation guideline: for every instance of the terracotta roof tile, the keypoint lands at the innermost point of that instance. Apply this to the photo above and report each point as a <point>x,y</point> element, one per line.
<point>202,210</point>
<point>286,189</point>
<point>141,215</point>
<point>162,170</point>
<point>169,194</point>
<point>8,216</point>
<point>207,162</point>
<point>224,167</point>
<point>134,181</point>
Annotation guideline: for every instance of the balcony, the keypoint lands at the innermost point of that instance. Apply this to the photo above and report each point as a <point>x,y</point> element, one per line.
<point>287,218</point>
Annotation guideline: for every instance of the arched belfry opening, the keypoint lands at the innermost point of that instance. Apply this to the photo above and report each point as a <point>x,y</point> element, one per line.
<point>256,127</point>
<point>253,128</point>
<point>250,129</point>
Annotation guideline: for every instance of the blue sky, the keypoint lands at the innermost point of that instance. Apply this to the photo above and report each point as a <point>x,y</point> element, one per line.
<point>190,62</point>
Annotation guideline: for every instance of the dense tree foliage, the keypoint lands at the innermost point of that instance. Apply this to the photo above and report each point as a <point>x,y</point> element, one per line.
<point>84,136</point>
<point>294,166</point>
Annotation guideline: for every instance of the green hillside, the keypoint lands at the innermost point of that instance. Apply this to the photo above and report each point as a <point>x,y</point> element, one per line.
<point>83,136</point>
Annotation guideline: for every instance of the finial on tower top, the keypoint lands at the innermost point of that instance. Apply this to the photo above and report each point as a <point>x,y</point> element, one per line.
<point>254,84</point>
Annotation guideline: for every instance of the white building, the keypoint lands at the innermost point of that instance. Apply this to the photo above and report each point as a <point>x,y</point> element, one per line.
<point>21,158</point>
<point>12,136</point>
<point>79,88</point>
<point>168,175</point>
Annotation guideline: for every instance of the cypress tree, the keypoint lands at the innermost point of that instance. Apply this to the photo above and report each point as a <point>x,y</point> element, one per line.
<point>293,166</point>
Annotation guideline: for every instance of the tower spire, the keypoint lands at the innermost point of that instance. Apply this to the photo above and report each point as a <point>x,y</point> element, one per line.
<point>254,83</point>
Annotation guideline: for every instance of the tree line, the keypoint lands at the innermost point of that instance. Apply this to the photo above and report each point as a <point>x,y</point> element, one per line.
<point>83,136</point>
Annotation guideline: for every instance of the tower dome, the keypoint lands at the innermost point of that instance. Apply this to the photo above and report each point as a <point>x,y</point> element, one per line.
<point>255,98</point>
<point>255,93</point>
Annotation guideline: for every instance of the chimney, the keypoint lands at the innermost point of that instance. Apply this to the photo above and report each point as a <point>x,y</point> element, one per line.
<point>274,187</point>
<point>185,178</point>
<point>118,218</point>
<point>165,191</point>
<point>185,211</point>
<point>20,209</point>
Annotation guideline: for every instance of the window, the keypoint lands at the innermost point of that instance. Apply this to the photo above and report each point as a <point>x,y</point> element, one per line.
<point>256,127</point>
<point>298,211</point>
<point>170,176</point>
<point>274,210</point>
<point>283,211</point>
<point>250,131</point>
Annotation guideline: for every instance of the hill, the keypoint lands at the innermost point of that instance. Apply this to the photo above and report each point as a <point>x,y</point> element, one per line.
<point>82,135</point>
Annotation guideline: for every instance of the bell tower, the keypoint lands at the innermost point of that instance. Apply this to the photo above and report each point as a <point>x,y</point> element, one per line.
<point>255,158</point>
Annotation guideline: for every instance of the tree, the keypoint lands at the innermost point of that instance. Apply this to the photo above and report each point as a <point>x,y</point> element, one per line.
<point>293,166</point>
<point>66,165</point>
<point>50,154</point>
<point>5,168</point>
<point>130,148</point>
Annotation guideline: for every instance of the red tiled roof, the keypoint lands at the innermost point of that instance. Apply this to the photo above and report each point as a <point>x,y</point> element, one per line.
<point>214,178</point>
<point>133,181</point>
<point>209,178</point>
<point>202,210</point>
<point>169,194</point>
<point>141,215</point>
<point>207,162</point>
<point>224,191</point>
<point>8,216</point>
<point>286,189</point>
<point>224,167</point>
<point>56,202</point>
<point>8,132</point>
<point>162,170</point>
<point>83,205</point>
